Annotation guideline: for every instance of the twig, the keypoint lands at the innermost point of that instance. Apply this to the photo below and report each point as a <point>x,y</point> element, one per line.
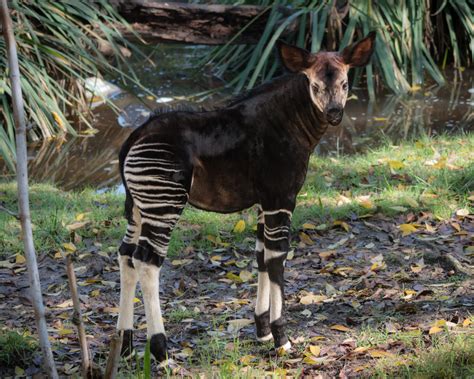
<point>8,211</point>
<point>458,266</point>
<point>23,195</point>
<point>77,319</point>
<point>114,355</point>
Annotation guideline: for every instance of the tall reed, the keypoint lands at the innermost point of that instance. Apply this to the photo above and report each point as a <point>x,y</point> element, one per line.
<point>416,39</point>
<point>59,44</point>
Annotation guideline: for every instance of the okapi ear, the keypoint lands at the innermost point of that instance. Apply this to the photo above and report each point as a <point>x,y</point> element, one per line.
<point>358,54</point>
<point>294,58</point>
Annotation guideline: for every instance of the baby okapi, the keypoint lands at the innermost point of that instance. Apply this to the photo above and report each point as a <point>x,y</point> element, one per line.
<point>254,151</point>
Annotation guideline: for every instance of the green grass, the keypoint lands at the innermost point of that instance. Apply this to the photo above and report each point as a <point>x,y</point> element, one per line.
<point>336,188</point>
<point>16,350</point>
<point>450,357</point>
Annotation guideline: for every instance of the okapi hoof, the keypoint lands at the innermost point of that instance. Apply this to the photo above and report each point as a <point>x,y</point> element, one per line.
<point>127,343</point>
<point>281,340</point>
<point>262,324</point>
<point>158,347</point>
<point>283,349</point>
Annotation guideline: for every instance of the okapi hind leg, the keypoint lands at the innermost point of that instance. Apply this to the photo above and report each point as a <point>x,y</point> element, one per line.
<point>262,307</point>
<point>158,176</point>
<point>128,278</point>
<point>276,232</point>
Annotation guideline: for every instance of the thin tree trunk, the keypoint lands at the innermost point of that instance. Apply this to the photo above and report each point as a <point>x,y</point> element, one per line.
<point>22,182</point>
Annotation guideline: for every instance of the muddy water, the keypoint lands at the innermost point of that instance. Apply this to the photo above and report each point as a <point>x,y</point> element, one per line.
<point>79,162</point>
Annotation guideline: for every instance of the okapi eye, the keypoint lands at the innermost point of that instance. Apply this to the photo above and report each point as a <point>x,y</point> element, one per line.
<point>345,87</point>
<point>315,88</point>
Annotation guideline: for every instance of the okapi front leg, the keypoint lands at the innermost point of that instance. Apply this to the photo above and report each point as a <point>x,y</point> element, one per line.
<point>277,229</point>
<point>262,307</point>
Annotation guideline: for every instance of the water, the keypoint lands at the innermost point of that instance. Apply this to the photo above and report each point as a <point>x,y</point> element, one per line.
<point>75,163</point>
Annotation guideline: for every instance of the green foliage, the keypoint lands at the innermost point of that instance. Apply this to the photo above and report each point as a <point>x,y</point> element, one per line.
<point>413,36</point>
<point>59,44</point>
<point>16,349</point>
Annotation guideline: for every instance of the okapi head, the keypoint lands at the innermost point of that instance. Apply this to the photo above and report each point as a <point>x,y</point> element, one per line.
<point>327,73</point>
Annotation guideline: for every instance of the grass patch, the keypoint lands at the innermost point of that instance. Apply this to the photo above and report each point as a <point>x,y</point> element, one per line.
<point>449,357</point>
<point>16,350</point>
<point>433,175</point>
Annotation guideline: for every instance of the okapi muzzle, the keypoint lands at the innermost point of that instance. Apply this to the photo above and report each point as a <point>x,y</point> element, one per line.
<point>254,151</point>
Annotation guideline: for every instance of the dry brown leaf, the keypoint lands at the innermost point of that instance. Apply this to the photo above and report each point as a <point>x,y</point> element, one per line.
<point>340,328</point>
<point>311,299</point>
<point>315,350</point>
<point>306,239</point>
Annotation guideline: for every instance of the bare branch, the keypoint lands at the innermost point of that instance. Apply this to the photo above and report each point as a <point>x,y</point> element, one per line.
<point>8,211</point>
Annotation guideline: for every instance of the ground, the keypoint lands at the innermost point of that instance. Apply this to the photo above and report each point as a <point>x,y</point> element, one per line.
<point>378,283</point>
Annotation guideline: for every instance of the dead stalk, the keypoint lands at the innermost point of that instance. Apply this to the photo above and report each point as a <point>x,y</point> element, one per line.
<point>23,195</point>
<point>114,355</point>
<point>77,319</point>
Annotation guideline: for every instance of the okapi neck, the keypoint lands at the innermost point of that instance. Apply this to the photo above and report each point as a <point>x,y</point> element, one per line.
<point>286,103</point>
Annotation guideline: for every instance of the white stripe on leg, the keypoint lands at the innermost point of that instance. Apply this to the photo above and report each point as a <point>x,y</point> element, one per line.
<point>149,282</point>
<point>128,284</point>
<point>263,293</point>
<point>276,302</point>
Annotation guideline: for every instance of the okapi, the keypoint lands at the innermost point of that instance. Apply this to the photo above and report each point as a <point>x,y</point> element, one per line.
<point>253,151</point>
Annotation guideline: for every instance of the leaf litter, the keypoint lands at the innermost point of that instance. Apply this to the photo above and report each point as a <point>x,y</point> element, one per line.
<point>383,274</point>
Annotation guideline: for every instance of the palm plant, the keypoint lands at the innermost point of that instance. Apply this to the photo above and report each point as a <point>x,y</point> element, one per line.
<point>415,37</point>
<point>59,44</point>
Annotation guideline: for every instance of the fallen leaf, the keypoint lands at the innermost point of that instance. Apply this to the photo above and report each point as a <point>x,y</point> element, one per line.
<point>367,204</point>
<point>306,239</point>
<point>239,226</point>
<point>466,323</point>
<point>315,350</point>
<point>80,216</point>
<point>63,332</point>
<point>342,224</point>
<point>379,353</point>
<point>307,313</point>
<point>6,264</point>
<point>233,277</point>
<point>77,225</point>
<point>65,304</point>
<point>245,275</point>
<point>20,259</point>
<point>312,299</point>
<point>435,329</point>
<point>327,254</point>
<point>69,246</point>
<point>395,165</point>
<point>309,226</point>
<point>236,325</point>
<point>340,328</point>
<point>181,262</point>
<point>407,229</point>
<point>247,359</point>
